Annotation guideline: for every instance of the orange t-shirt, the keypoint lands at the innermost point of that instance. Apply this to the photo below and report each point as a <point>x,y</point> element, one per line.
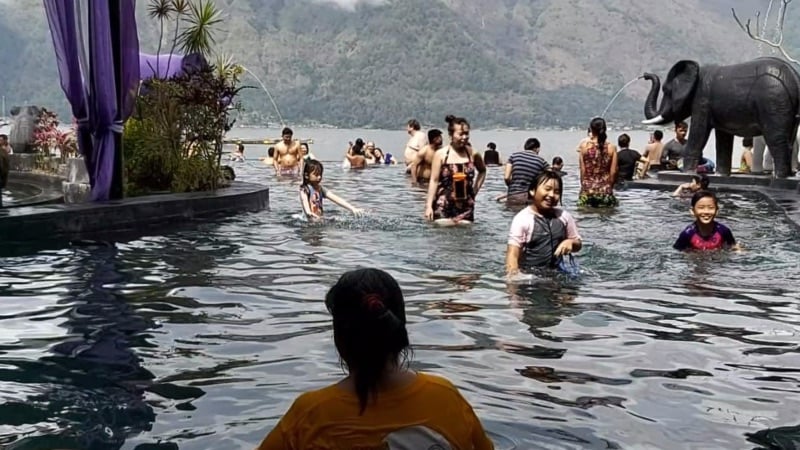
<point>429,411</point>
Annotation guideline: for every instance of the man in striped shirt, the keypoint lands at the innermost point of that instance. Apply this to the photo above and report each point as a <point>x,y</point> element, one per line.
<point>521,169</point>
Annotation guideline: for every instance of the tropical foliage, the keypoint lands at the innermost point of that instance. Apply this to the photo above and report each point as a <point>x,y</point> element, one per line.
<point>51,144</point>
<point>173,142</point>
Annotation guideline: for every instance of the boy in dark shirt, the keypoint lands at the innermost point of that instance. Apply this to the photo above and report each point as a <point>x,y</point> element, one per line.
<point>627,158</point>
<point>491,157</point>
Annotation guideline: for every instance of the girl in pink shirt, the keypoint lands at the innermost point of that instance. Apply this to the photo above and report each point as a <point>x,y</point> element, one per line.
<point>542,232</point>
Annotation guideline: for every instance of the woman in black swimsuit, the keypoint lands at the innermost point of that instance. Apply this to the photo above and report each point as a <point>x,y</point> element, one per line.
<point>457,175</point>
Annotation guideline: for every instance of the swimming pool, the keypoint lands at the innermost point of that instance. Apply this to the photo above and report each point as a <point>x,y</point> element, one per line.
<point>201,338</point>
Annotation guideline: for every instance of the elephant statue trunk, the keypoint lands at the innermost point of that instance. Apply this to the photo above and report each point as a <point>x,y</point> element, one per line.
<point>651,113</point>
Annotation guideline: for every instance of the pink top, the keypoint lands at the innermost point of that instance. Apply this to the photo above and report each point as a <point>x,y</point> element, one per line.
<point>522,227</point>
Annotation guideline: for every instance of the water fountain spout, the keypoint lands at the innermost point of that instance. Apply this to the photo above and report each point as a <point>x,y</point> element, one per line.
<point>274,105</point>
<point>619,92</point>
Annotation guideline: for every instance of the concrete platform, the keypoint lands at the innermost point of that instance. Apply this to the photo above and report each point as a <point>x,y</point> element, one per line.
<point>137,214</point>
<point>781,193</point>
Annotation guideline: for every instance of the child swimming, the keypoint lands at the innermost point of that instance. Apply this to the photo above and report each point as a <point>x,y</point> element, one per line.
<point>705,233</point>
<point>542,232</point>
<point>698,183</point>
<point>312,193</point>
<point>381,403</point>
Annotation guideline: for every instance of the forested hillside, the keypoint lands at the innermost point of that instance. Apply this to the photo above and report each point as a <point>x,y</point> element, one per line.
<point>501,63</point>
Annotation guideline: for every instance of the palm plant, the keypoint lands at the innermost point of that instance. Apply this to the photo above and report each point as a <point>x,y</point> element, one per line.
<point>161,10</point>
<point>199,36</point>
<point>181,8</point>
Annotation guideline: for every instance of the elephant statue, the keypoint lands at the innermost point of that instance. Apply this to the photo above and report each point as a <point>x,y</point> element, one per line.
<point>762,160</point>
<point>754,98</point>
<point>23,123</point>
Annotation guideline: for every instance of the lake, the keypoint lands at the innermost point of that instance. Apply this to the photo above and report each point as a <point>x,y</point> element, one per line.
<point>200,337</point>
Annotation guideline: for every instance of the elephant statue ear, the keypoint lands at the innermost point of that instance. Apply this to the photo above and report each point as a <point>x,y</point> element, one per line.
<point>682,81</point>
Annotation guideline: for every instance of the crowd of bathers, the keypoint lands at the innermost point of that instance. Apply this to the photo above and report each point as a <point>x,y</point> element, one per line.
<point>382,403</point>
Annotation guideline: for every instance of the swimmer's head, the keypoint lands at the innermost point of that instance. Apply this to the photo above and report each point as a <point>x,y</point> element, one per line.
<point>545,190</point>
<point>312,167</point>
<point>704,206</point>
<point>435,137</point>
<point>303,148</point>
<point>369,327</point>
<point>699,182</point>
<point>287,134</point>
<point>558,163</point>
<point>747,142</point>
<point>532,144</point>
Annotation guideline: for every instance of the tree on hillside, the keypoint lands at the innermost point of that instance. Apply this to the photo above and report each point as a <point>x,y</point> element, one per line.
<point>760,33</point>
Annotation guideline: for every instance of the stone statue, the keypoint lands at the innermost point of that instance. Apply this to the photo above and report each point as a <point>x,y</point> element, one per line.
<point>23,122</point>
<point>754,98</point>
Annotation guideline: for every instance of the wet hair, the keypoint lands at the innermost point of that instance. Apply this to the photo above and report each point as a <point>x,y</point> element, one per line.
<point>624,140</point>
<point>303,144</point>
<point>271,152</point>
<point>433,134</point>
<point>414,124</point>
<point>704,194</point>
<point>658,135</point>
<point>746,142</point>
<point>598,128</point>
<point>286,131</point>
<point>4,137</point>
<point>543,178</point>
<point>311,166</point>
<point>358,147</point>
<point>240,146</point>
<point>681,125</point>
<point>369,327</point>
<point>702,180</point>
<point>452,121</point>
<point>532,144</point>
<point>557,160</point>
<point>492,145</point>
<point>378,150</point>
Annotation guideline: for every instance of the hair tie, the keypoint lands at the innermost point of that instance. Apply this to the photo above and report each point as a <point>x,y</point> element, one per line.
<point>374,303</point>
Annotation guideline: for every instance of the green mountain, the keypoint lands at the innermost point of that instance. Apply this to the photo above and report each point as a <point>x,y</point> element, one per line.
<point>510,63</point>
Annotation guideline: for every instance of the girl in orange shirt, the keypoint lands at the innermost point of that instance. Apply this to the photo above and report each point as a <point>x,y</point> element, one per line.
<point>381,404</point>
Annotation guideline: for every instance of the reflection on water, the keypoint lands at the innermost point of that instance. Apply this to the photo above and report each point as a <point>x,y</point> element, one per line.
<point>202,337</point>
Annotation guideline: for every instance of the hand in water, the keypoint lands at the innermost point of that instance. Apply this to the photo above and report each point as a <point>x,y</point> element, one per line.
<point>358,212</point>
<point>564,248</point>
<point>429,213</point>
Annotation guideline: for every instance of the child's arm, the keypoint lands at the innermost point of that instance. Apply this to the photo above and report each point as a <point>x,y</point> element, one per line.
<point>680,189</point>
<point>682,243</point>
<point>307,206</point>
<point>341,202</point>
<point>730,241</point>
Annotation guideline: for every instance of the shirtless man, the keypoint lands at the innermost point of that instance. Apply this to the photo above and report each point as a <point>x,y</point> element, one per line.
<point>651,158</point>
<point>421,167</point>
<point>415,142</point>
<point>287,161</point>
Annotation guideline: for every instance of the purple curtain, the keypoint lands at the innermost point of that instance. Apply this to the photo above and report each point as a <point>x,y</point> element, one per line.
<point>63,29</point>
<point>108,85</point>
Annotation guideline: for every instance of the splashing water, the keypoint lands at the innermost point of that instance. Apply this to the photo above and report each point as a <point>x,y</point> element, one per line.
<point>617,95</point>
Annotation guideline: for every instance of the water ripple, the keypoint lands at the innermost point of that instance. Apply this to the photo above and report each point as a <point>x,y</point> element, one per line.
<point>201,338</point>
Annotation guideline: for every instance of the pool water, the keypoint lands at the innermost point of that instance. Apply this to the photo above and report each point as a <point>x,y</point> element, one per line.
<point>202,337</point>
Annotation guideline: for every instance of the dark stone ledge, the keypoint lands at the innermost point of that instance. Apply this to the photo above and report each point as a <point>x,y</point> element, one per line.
<point>136,214</point>
<point>780,193</point>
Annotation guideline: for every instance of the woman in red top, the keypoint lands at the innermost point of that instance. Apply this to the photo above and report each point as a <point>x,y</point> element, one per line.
<point>598,164</point>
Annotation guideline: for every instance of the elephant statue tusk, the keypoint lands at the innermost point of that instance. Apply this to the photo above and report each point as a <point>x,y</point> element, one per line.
<point>654,121</point>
